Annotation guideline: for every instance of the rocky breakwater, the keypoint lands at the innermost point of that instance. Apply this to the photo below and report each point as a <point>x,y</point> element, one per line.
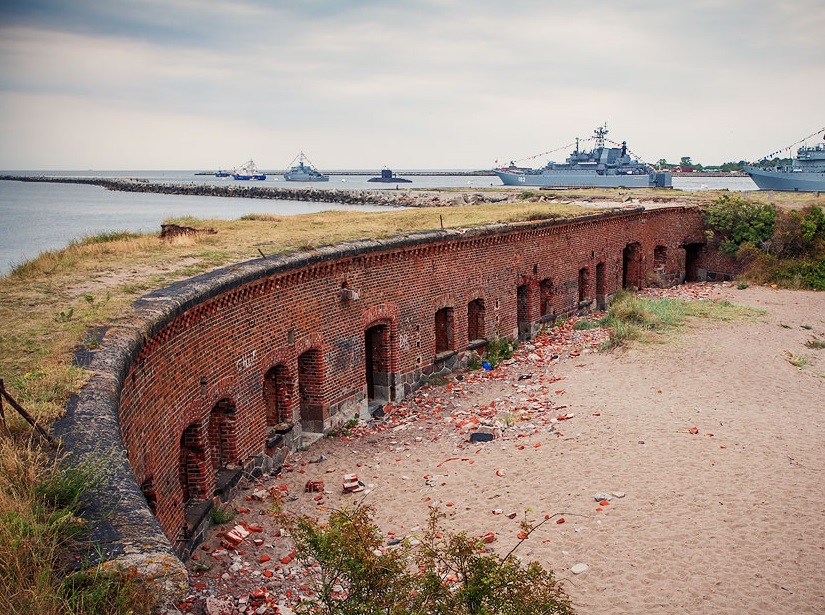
<point>386,198</point>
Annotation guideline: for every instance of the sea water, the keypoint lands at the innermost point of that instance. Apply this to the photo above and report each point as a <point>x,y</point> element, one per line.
<point>37,217</point>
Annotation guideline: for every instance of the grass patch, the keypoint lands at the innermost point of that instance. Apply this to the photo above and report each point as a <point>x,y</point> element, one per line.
<point>222,514</point>
<point>796,360</point>
<point>109,237</point>
<point>815,344</point>
<point>631,317</point>
<point>41,502</point>
<point>498,350</point>
<point>584,325</point>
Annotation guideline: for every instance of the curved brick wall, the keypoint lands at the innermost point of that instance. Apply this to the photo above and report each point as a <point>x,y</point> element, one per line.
<point>230,370</point>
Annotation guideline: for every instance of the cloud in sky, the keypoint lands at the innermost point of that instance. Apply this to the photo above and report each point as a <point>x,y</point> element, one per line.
<point>186,84</point>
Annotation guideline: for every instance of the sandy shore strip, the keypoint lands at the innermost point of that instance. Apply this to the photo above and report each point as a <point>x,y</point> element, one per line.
<point>710,446</point>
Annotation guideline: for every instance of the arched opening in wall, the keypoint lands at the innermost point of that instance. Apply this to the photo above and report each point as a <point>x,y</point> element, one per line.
<point>378,363</point>
<point>444,330</point>
<point>223,447</point>
<point>278,396</point>
<point>659,276</point>
<point>523,308</point>
<point>632,266</point>
<point>660,259</point>
<point>196,478</point>
<point>693,256</point>
<point>583,285</point>
<point>223,443</point>
<point>546,298</point>
<point>311,390</point>
<point>601,290</point>
<point>476,329</point>
<point>192,470</point>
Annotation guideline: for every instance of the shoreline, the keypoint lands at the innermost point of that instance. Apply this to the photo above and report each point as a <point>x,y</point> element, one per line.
<point>401,197</point>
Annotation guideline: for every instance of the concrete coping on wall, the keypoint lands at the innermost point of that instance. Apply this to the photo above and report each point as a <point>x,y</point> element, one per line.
<point>126,534</point>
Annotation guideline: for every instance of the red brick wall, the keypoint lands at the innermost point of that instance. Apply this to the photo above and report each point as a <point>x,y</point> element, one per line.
<point>311,319</point>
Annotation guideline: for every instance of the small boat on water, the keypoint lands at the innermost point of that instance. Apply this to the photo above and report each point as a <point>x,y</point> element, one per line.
<point>248,171</point>
<point>220,173</point>
<point>601,167</point>
<point>806,173</point>
<point>302,170</point>
<point>388,177</point>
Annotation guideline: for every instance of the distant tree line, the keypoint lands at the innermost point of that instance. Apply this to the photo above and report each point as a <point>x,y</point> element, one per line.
<point>685,162</point>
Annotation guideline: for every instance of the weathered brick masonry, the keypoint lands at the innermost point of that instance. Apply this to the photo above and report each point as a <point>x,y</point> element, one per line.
<point>230,370</point>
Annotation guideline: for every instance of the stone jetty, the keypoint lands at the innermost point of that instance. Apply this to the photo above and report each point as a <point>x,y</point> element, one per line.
<point>386,198</point>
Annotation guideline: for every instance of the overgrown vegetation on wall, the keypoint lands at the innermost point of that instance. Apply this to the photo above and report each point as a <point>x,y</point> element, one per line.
<point>774,246</point>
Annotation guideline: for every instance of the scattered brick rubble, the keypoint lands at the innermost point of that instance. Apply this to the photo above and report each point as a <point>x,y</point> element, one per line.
<point>249,566</point>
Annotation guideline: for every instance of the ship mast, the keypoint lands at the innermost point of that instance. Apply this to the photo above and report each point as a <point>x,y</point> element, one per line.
<point>600,134</point>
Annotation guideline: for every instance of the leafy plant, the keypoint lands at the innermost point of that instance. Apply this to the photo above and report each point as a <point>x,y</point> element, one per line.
<point>473,361</point>
<point>222,514</point>
<point>798,233</point>
<point>453,574</point>
<point>585,324</point>
<point>734,220</point>
<point>499,349</point>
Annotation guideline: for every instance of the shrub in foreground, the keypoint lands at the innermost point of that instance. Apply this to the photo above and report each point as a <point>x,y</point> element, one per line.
<point>441,574</point>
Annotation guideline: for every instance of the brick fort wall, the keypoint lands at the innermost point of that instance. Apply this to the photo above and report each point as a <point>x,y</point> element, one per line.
<point>229,371</point>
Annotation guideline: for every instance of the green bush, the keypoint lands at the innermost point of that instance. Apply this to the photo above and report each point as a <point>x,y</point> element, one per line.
<point>498,350</point>
<point>734,220</point>
<point>786,248</point>
<point>442,574</point>
<point>799,233</point>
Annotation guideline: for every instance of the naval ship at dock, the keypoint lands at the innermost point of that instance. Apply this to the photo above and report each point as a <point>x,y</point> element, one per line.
<point>601,167</point>
<point>806,173</point>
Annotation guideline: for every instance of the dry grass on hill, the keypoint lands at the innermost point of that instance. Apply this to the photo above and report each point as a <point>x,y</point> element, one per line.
<point>48,303</point>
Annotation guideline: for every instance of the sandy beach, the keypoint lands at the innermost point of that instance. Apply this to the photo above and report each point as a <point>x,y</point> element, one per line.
<point>708,444</point>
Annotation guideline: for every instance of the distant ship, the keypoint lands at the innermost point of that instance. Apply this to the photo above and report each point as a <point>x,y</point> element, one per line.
<point>601,167</point>
<point>388,177</point>
<point>303,171</point>
<point>248,171</point>
<point>220,173</point>
<point>806,173</point>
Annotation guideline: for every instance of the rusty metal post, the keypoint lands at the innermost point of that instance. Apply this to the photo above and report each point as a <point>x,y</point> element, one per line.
<point>2,415</point>
<point>23,413</point>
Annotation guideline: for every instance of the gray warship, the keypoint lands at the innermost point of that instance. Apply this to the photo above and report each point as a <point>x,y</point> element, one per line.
<point>601,167</point>
<point>806,173</point>
<point>303,171</point>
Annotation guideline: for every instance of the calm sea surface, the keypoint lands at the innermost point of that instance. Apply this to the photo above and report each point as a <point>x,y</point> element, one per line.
<point>36,217</point>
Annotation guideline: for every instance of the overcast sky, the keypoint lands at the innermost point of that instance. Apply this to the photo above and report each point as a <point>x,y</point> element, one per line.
<point>197,84</point>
